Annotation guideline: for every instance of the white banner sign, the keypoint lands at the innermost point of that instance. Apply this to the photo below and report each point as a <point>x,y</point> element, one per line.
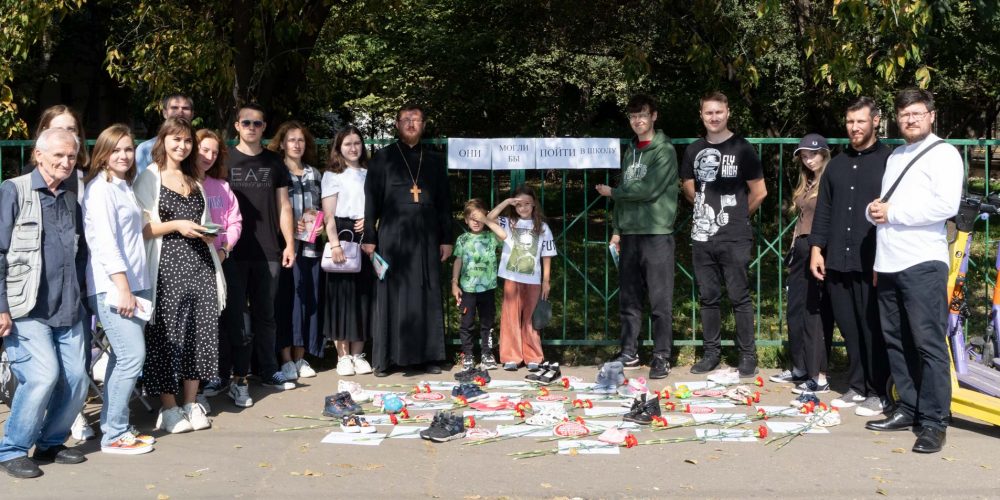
<point>578,153</point>
<point>534,153</point>
<point>470,154</point>
<point>513,154</point>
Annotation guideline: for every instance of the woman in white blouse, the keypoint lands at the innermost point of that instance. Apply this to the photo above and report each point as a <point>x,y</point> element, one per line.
<point>117,281</point>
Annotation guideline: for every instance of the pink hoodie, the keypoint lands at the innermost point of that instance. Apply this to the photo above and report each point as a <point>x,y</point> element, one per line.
<point>225,211</point>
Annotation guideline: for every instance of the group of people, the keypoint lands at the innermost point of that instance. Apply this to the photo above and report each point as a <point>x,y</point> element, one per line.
<point>869,253</point>
<point>202,264</point>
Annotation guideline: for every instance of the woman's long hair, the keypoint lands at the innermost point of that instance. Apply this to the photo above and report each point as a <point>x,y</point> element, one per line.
<point>104,147</point>
<point>189,166</point>
<point>336,163</point>
<point>277,142</point>
<point>809,179</point>
<point>219,170</point>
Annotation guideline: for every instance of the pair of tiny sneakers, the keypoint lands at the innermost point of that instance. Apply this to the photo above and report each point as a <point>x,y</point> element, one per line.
<point>643,410</point>
<point>341,405</point>
<point>471,392</point>
<point>445,427</point>
<point>470,375</point>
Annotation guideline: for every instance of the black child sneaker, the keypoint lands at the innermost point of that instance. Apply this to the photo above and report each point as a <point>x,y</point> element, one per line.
<point>638,405</point>
<point>426,433</point>
<point>628,361</point>
<point>451,427</point>
<point>659,367</point>
<point>648,410</point>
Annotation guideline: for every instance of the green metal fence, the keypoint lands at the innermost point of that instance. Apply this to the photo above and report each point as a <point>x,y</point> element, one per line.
<point>584,278</point>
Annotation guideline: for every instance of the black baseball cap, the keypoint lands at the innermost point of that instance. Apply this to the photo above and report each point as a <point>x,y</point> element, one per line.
<point>812,142</point>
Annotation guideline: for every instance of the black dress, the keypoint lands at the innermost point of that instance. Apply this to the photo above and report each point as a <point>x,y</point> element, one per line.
<point>408,323</point>
<point>182,342</point>
<point>349,298</point>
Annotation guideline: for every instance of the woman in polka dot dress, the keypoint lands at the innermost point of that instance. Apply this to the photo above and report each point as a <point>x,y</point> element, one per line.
<point>182,339</point>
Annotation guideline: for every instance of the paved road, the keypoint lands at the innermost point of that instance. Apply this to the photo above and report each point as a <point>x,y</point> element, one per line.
<point>240,457</point>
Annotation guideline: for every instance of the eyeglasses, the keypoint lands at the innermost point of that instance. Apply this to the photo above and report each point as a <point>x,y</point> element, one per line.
<point>414,121</point>
<point>634,117</point>
<point>254,123</point>
<point>906,117</point>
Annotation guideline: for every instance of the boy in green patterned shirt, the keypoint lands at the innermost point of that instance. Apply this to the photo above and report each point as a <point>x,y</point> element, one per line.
<point>473,281</point>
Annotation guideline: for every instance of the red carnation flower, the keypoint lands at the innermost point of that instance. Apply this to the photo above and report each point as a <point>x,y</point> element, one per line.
<point>762,431</point>
<point>631,441</point>
<point>759,382</point>
<point>470,422</point>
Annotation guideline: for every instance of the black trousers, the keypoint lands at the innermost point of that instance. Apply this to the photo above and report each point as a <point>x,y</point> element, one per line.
<point>247,322</point>
<point>809,314</point>
<point>913,306</point>
<point>715,261</point>
<point>646,266</point>
<point>485,304</point>
<point>855,310</point>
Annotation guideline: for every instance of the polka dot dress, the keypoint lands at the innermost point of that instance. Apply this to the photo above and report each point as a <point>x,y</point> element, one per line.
<point>183,341</point>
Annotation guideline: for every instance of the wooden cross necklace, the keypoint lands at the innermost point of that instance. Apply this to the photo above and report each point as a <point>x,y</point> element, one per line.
<point>415,191</point>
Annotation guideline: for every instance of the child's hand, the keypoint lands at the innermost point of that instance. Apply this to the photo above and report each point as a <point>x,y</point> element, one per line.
<point>456,292</point>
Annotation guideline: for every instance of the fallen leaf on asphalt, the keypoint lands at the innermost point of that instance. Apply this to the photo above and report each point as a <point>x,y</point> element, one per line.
<point>472,497</point>
<point>295,473</point>
<point>949,459</point>
<point>546,485</point>
<point>150,486</point>
<point>373,466</point>
<point>162,496</point>
<point>691,461</point>
<point>268,416</point>
<point>344,466</point>
<point>687,486</point>
<point>985,466</point>
<point>713,457</point>
<point>880,441</point>
<point>237,446</point>
<point>898,450</point>
<point>310,473</point>
<point>871,458</point>
<point>263,465</point>
<point>882,492</point>
<point>193,474</point>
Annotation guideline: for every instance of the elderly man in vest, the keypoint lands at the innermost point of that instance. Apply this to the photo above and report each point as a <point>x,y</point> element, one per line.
<point>41,321</point>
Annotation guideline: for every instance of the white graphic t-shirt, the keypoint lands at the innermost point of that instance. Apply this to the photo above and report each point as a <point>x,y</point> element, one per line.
<point>521,259</point>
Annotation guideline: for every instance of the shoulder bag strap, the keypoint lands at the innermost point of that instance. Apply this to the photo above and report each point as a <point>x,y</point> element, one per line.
<point>908,165</point>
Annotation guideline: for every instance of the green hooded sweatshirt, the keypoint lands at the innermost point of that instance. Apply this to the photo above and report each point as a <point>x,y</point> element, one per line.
<point>646,199</point>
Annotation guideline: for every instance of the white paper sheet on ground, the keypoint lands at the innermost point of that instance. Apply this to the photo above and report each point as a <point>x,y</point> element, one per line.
<point>490,415</point>
<point>603,425</point>
<point>540,406</point>
<point>781,411</point>
<point>406,432</point>
<point>524,430</point>
<point>711,404</point>
<point>354,438</point>
<point>582,386</point>
<point>604,411</point>
<point>494,396</point>
<point>696,385</point>
<point>500,384</point>
<point>430,406</point>
<point>587,447</point>
<point>789,427</point>
<point>728,418</point>
<point>600,399</point>
<point>729,435</point>
<point>377,419</point>
<point>441,385</point>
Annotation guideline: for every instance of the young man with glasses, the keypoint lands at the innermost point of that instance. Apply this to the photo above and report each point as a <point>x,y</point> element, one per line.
<point>723,179</point>
<point>172,106</point>
<point>259,179</point>
<point>643,221</point>
<point>911,260</point>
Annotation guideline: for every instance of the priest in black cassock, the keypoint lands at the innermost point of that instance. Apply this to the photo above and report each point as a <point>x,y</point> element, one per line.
<point>408,223</point>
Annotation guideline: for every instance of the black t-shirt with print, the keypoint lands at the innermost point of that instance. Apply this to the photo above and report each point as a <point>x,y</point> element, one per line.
<point>720,173</point>
<point>254,180</point>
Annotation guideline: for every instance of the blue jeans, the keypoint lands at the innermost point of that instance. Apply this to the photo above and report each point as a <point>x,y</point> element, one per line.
<point>49,366</point>
<point>128,352</point>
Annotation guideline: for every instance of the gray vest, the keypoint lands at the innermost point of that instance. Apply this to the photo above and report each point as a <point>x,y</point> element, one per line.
<point>24,258</point>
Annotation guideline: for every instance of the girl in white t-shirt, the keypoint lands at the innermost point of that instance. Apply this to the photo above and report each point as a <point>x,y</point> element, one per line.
<point>524,266</point>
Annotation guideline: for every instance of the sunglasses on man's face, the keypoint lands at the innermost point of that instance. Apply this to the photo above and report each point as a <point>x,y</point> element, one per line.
<point>255,123</point>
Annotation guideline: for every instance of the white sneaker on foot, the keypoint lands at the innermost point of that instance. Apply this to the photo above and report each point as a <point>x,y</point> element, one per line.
<point>290,371</point>
<point>239,392</point>
<point>80,429</point>
<point>345,366</point>
<point>305,371</point>
<point>195,413</point>
<point>173,420</point>
<point>361,366</point>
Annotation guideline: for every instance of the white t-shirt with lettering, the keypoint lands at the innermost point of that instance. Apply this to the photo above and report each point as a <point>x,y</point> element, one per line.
<point>521,258</point>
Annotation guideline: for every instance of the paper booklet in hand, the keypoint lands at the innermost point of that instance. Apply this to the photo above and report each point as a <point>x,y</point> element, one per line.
<point>313,222</point>
<point>143,310</point>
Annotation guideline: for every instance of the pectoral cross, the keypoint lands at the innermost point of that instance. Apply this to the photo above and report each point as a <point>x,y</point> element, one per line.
<point>416,193</point>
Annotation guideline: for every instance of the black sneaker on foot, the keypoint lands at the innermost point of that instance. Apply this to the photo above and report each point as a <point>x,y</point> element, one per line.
<point>628,361</point>
<point>488,362</point>
<point>467,362</point>
<point>747,366</point>
<point>59,454</point>
<point>659,367</point>
<point>21,467</point>
<point>707,364</point>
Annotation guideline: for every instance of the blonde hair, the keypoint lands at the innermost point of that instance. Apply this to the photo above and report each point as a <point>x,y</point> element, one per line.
<point>806,175</point>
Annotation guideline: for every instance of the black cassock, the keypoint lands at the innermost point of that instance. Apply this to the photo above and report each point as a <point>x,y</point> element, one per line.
<point>408,322</point>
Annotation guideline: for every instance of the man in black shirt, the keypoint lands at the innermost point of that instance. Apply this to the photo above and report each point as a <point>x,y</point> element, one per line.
<point>722,177</point>
<point>843,254</point>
